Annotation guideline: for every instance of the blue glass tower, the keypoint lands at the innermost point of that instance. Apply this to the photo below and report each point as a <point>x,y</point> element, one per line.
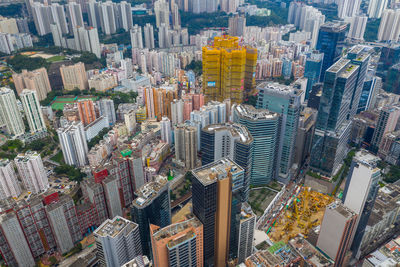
<point>330,42</point>
<point>312,70</point>
<point>370,90</point>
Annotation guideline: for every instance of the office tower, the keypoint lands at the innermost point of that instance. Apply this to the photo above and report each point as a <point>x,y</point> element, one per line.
<point>136,37</point>
<point>389,28</point>
<point>64,223</point>
<point>36,80</point>
<point>338,105</point>
<point>305,134</point>
<point>14,248</point>
<point>229,140</point>
<point>387,121</point>
<point>149,36</point>
<point>348,8</point>
<point>58,17</point>
<point>246,232</point>
<point>360,192</point>
<point>31,170</point>
<point>186,145</point>
<point>336,229</point>
<point>312,70</point>
<point>330,43</point>
<point>73,144</point>
<point>179,244</point>
<point>371,88</point>
<point>87,113</point>
<point>74,13</point>
<point>286,101</point>
<point>74,76</point>
<point>215,203</point>
<point>9,186</point>
<point>33,111</point>
<point>161,10</point>
<point>228,70</point>
<point>152,206</point>
<point>237,25</point>
<point>166,132</point>
<point>117,241</point>
<point>263,126</point>
<point>357,27</point>
<point>106,109</point>
<point>125,15</point>
<point>10,116</point>
<point>376,7</point>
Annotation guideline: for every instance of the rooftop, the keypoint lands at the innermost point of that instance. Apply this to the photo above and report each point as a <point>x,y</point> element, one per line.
<point>250,112</point>
<point>309,253</point>
<point>340,208</point>
<point>366,158</point>
<point>236,130</point>
<point>280,89</point>
<point>112,228</point>
<point>148,192</point>
<point>218,169</point>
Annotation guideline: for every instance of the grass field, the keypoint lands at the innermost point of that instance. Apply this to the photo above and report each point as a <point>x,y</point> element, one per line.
<point>55,59</point>
<point>58,157</point>
<point>259,199</point>
<point>59,102</point>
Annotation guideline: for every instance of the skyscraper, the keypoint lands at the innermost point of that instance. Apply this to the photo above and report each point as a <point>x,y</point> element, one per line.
<point>36,80</point>
<point>74,13</point>
<point>117,241</point>
<point>376,7</point>
<point>166,132</point>
<point>312,70</point>
<point>106,109</point>
<point>357,27</point>
<point>125,15</point>
<point>73,144</point>
<point>348,8</point>
<point>10,116</point>
<point>228,70</point>
<point>387,121</point>
<point>87,113</point>
<point>186,145</point>
<point>229,140</point>
<point>33,111</point>
<point>9,186</point>
<point>31,170</point>
<point>389,28</point>
<point>179,244</point>
<point>336,230</point>
<point>263,126</point>
<point>286,101</point>
<point>338,105</point>
<point>152,206</point>
<point>74,76</point>
<point>246,232</point>
<point>237,25</point>
<point>161,10</point>
<point>360,192</point>
<point>148,36</point>
<point>330,43</point>
<point>215,203</point>
<point>137,37</point>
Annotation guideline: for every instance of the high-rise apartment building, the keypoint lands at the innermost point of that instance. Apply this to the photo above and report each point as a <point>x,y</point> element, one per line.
<point>246,232</point>
<point>32,172</point>
<point>148,31</point>
<point>338,105</point>
<point>387,121</point>
<point>360,192</point>
<point>9,186</point>
<point>389,28</point>
<point>330,43</point>
<point>74,76</point>
<point>73,144</point>
<point>36,80</point>
<point>286,101</point>
<point>74,13</point>
<point>179,244</point>
<point>264,127</point>
<point>166,132</point>
<point>106,109</point>
<point>357,27</point>
<point>186,145</point>
<point>87,113</point>
<point>10,116</point>
<point>229,140</point>
<point>348,8</point>
<point>33,111</point>
<point>137,37</point>
<point>228,70</point>
<point>117,241</point>
<point>237,25</point>
<point>14,247</point>
<point>125,15</point>
<point>312,70</point>
<point>152,206</point>
<point>161,10</point>
<point>45,15</point>
<point>85,39</point>
<point>216,204</point>
<point>336,230</point>
<point>376,7</point>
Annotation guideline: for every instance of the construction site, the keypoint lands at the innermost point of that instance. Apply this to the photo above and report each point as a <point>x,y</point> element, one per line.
<point>302,213</point>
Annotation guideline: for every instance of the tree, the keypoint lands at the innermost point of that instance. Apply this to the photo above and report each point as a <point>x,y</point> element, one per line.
<point>20,62</point>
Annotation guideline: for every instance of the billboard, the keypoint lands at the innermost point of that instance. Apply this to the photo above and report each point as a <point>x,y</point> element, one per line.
<point>211,84</point>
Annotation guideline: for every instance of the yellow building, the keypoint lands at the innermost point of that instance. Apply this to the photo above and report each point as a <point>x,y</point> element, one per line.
<point>228,70</point>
